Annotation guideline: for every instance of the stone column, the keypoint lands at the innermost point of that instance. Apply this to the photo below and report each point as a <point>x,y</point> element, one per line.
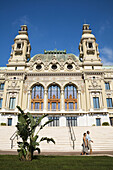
<point>79,100</point>
<point>17,99</point>
<point>62,99</point>
<point>91,101</point>
<point>28,101</point>
<point>45,99</point>
<point>101,101</point>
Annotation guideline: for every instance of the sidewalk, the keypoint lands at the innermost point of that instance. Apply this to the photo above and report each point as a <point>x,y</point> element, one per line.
<point>99,153</point>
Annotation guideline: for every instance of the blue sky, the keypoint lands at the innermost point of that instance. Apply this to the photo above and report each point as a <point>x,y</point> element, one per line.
<point>56,24</point>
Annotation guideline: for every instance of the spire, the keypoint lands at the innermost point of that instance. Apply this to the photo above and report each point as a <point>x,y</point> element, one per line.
<point>21,48</point>
<point>88,48</point>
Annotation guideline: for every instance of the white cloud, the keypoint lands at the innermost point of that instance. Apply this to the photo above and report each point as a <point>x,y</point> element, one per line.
<point>24,20</point>
<point>107,56</point>
<point>104,26</point>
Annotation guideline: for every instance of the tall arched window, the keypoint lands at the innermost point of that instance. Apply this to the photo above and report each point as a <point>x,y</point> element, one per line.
<point>37,97</point>
<point>70,97</point>
<point>54,97</point>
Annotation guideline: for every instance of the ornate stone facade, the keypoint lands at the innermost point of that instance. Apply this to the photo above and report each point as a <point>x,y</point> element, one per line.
<point>68,88</point>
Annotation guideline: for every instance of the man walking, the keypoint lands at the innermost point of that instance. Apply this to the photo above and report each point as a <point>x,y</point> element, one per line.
<point>89,142</point>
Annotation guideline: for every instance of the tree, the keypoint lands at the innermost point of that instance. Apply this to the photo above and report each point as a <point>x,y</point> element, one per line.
<point>26,129</point>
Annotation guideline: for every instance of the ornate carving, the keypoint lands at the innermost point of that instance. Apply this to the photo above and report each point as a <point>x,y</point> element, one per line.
<point>54,60</point>
<point>94,84</point>
<point>69,60</point>
<point>46,65</point>
<point>25,88</point>
<point>13,84</point>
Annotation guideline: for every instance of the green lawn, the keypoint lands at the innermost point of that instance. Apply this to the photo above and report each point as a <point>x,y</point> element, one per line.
<point>8,162</point>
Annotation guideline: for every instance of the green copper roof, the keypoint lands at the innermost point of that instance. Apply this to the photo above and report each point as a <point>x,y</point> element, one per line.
<point>107,67</point>
<point>3,68</point>
<point>55,51</point>
<point>58,57</point>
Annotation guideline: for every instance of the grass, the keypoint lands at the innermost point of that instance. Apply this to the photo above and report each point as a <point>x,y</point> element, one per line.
<point>11,162</point>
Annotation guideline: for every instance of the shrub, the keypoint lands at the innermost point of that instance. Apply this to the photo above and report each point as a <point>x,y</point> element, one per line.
<point>105,124</point>
<point>26,129</point>
<point>3,124</point>
<point>93,125</point>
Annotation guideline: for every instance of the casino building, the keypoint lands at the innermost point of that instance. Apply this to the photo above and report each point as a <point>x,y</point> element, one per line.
<point>68,88</point>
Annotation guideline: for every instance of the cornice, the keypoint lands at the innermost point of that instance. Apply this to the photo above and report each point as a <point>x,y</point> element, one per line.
<point>90,72</point>
<point>54,74</point>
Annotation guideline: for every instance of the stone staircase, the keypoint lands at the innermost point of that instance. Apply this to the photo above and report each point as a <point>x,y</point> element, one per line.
<point>102,137</point>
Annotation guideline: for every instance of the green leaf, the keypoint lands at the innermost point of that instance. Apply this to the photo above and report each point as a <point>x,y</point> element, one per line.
<point>49,121</point>
<point>47,139</point>
<point>22,112</point>
<point>40,119</point>
<point>38,149</point>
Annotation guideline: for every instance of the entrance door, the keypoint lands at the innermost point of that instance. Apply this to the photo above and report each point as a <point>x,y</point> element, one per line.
<point>111,121</point>
<point>9,121</point>
<point>98,122</point>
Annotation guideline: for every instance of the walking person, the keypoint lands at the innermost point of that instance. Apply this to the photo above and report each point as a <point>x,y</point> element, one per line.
<point>84,145</point>
<point>89,141</point>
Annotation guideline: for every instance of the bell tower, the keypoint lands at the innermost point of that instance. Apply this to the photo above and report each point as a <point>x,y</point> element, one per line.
<point>20,53</point>
<point>88,48</point>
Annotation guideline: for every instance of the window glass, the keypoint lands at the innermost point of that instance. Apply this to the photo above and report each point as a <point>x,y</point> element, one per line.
<point>71,121</point>
<point>98,122</point>
<point>9,121</point>
<point>55,121</point>
<point>2,86</point>
<point>37,105</point>
<point>71,106</point>
<point>12,103</point>
<point>109,102</point>
<point>107,86</point>
<point>37,97</point>
<point>53,106</point>
<point>48,106</point>
<point>54,97</point>
<point>31,105</point>
<point>90,45</point>
<point>58,106</point>
<point>65,106</point>
<point>96,102</point>
<point>1,103</point>
<point>70,94</point>
<point>19,45</point>
<point>41,106</point>
<point>75,105</point>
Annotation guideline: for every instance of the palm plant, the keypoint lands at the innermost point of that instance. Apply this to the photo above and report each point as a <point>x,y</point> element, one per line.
<point>26,129</point>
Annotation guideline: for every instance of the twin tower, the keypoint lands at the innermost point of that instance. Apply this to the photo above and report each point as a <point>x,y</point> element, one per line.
<point>88,48</point>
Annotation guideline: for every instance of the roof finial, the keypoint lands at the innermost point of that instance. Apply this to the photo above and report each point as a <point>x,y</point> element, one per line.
<point>84,21</point>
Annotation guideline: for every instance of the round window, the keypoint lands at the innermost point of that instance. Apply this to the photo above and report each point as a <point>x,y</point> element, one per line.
<point>54,67</point>
<point>38,67</point>
<point>69,66</point>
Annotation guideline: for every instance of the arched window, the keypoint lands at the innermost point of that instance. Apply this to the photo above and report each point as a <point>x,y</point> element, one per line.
<point>37,97</point>
<point>70,97</point>
<point>54,97</point>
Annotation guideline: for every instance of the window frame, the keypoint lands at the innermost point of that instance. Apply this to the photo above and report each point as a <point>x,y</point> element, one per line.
<point>99,121</point>
<point>109,102</point>
<point>54,95</point>
<point>1,86</point>
<point>37,96</point>
<point>72,120</point>
<point>107,86</point>
<point>55,121</point>
<point>1,100</point>
<point>12,102</point>
<point>96,104</point>
<point>70,96</point>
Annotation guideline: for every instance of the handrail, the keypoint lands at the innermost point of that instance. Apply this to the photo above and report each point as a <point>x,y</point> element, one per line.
<point>13,137</point>
<point>72,134</point>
